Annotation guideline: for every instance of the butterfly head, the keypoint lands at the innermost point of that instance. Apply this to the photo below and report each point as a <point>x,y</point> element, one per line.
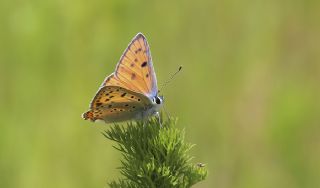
<point>158,100</point>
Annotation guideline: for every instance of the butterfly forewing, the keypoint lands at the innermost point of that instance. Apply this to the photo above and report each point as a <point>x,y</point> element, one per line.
<point>135,69</point>
<point>113,103</point>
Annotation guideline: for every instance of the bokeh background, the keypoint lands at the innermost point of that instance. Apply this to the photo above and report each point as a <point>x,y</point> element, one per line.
<point>248,95</point>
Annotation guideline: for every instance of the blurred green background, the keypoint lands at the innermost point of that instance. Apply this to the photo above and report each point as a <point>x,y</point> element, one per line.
<point>248,96</point>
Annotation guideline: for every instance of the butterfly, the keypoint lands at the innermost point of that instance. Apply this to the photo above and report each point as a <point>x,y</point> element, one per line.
<point>131,91</point>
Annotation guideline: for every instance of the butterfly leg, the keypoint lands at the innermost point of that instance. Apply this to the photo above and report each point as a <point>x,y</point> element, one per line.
<point>159,119</point>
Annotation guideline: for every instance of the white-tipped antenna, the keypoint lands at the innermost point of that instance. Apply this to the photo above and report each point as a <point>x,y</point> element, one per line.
<point>169,80</point>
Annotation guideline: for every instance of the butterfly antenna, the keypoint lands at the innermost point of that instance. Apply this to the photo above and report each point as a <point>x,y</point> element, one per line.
<point>171,77</point>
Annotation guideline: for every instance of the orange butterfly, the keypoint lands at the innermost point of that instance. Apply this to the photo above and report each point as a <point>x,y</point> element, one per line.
<point>131,92</point>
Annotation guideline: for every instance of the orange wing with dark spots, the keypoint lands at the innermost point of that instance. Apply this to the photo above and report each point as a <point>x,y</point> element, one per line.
<point>126,94</point>
<point>135,70</point>
<point>114,103</point>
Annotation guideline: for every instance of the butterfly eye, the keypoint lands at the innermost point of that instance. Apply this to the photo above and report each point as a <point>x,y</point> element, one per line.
<point>157,100</point>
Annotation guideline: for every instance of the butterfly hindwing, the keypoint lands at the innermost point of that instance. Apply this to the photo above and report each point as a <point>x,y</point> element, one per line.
<point>113,103</point>
<point>135,70</point>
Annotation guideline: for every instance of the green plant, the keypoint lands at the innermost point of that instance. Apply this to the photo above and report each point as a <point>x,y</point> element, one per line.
<point>154,155</point>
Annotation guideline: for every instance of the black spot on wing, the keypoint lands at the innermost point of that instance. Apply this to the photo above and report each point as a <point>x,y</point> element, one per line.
<point>133,76</point>
<point>138,50</point>
<point>144,64</point>
<point>124,94</point>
